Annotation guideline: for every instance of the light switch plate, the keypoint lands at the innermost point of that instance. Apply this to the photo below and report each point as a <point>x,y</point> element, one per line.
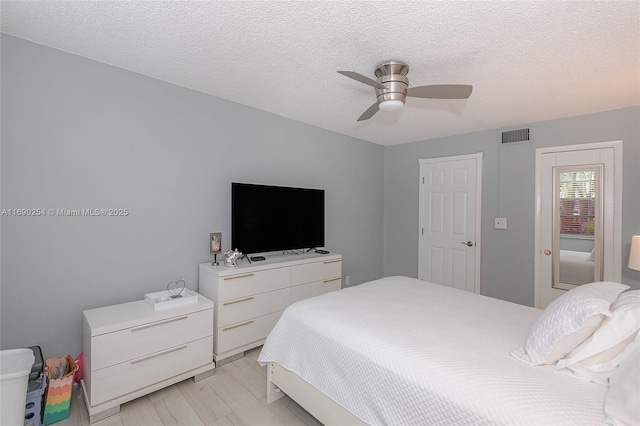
<point>501,223</point>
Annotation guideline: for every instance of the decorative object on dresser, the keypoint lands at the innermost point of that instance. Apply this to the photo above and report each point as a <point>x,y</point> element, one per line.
<point>215,246</point>
<point>231,258</point>
<point>250,299</point>
<point>131,350</point>
<point>176,288</point>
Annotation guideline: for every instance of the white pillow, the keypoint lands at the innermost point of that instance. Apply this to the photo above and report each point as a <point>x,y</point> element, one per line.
<point>592,255</point>
<point>601,371</point>
<point>598,354</point>
<point>568,321</point>
<point>621,403</point>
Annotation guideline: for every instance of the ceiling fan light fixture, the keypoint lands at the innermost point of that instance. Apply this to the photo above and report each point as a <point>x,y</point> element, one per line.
<point>391,105</point>
<point>392,88</point>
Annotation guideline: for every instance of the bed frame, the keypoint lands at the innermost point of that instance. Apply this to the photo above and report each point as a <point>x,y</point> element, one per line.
<point>281,381</point>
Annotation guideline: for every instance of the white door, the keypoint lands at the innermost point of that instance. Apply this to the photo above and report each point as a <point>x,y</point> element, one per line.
<point>449,234</point>
<point>561,263</point>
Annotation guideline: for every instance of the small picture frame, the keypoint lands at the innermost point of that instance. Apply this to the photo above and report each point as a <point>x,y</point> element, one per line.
<point>215,242</point>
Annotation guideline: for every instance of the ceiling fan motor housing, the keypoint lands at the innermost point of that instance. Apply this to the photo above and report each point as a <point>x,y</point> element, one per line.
<point>392,75</point>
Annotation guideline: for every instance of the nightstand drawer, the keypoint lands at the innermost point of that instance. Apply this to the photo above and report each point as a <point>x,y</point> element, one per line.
<point>304,291</point>
<point>114,348</point>
<point>129,376</point>
<point>316,271</point>
<point>243,333</point>
<point>238,310</point>
<point>247,284</point>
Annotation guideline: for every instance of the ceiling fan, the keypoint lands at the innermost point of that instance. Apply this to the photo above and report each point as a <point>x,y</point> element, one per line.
<point>392,88</point>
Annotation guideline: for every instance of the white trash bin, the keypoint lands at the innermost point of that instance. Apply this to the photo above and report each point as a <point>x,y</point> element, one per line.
<point>15,366</point>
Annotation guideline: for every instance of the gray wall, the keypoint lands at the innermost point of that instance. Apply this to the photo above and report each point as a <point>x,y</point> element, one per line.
<point>81,134</point>
<point>507,268</point>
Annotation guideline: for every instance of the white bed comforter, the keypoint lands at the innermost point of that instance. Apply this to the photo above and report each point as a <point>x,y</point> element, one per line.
<point>400,351</point>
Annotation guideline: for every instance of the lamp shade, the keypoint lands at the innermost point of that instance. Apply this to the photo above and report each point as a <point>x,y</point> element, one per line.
<point>634,255</point>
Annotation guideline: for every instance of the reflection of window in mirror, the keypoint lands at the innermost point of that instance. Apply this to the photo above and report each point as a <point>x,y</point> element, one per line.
<point>577,203</point>
<point>577,230</point>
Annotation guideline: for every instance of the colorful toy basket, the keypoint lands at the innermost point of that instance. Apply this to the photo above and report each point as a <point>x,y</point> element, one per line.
<point>60,372</point>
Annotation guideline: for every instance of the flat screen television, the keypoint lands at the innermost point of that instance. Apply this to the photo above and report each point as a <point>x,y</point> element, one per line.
<point>273,218</point>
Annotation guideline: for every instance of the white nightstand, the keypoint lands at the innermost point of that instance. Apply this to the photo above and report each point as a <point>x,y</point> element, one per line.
<point>131,350</point>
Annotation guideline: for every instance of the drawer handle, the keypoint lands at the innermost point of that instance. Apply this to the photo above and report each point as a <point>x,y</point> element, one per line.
<point>142,327</point>
<point>144,358</point>
<point>238,276</point>
<point>238,301</point>
<point>333,261</point>
<point>236,326</point>
<point>332,279</point>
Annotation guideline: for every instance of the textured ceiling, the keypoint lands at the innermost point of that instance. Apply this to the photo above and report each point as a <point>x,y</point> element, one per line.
<point>527,61</point>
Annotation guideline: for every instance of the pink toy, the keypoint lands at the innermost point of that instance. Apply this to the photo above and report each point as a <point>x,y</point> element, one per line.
<point>79,362</point>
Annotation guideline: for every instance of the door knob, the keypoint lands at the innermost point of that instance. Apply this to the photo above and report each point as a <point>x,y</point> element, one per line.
<point>547,252</point>
<point>468,243</point>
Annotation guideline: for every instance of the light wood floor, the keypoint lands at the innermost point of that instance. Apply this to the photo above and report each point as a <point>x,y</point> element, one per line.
<point>236,395</point>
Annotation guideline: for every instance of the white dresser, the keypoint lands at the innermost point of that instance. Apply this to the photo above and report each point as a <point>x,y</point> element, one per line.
<point>131,350</point>
<point>249,299</point>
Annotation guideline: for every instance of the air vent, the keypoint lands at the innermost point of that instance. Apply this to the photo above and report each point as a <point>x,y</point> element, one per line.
<point>519,135</point>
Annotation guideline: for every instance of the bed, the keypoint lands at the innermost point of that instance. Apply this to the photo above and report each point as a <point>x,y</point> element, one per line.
<point>403,351</point>
<point>576,267</point>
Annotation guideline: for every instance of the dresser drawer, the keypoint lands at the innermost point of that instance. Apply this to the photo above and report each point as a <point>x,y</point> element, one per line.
<point>119,346</point>
<point>316,271</point>
<point>238,310</point>
<point>247,284</point>
<point>243,333</point>
<point>304,291</point>
<point>120,379</point>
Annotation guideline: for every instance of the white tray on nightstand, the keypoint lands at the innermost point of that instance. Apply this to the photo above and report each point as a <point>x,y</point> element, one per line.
<point>162,300</point>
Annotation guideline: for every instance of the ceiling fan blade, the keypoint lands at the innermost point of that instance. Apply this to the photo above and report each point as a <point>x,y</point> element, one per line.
<point>441,91</point>
<point>362,79</point>
<point>370,112</point>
